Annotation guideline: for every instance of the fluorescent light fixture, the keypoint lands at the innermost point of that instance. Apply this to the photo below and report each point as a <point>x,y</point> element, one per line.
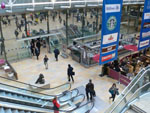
<point>30,9</point>
<point>79,6</point>
<point>92,5</point>
<point>49,8</point>
<point>64,6</point>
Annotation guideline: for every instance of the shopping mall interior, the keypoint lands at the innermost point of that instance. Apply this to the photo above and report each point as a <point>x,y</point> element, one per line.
<point>50,58</point>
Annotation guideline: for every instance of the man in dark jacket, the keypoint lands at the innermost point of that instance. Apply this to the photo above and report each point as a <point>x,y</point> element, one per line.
<point>56,52</point>
<point>37,53</point>
<point>38,45</point>
<point>46,61</point>
<point>70,73</point>
<point>90,90</point>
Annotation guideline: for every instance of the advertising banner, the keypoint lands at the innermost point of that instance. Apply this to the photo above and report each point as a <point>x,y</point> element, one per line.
<point>111,18</point>
<point>144,41</point>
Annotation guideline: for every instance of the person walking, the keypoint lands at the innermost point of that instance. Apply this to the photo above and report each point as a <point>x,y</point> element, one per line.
<point>46,61</point>
<point>37,53</point>
<point>113,91</point>
<point>32,49</point>
<point>70,73</point>
<point>16,33</point>
<point>38,45</point>
<point>56,53</point>
<point>90,90</point>
<point>56,105</point>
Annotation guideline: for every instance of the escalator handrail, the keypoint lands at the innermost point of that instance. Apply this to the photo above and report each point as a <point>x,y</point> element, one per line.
<point>36,86</point>
<point>71,94</point>
<point>32,92</point>
<point>130,84</point>
<point>128,91</point>
<point>137,91</point>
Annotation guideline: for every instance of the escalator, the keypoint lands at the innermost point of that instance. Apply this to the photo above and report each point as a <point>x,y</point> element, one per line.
<point>139,86</point>
<point>18,100</point>
<point>53,91</point>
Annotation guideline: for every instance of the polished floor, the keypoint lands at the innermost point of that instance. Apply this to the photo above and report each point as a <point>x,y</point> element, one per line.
<point>57,74</point>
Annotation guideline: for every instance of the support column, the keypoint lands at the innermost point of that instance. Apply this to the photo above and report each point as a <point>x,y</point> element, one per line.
<point>137,19</point>
<point>97,20</point>
<point>3,41</point>
<point>83,21</point>
<point>128,19</point>
<point>48,31</point>
<point>67,38</point>
<point>25,20</point>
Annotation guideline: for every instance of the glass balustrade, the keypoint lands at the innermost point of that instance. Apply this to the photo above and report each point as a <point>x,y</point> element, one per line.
<point>142,78</point>
<point>24,87</point>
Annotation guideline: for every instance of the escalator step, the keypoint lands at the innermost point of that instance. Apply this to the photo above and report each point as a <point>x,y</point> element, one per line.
<point>2,110</point>
<point>8,111</point>
<point>22,112</point>
<point>15,111</point>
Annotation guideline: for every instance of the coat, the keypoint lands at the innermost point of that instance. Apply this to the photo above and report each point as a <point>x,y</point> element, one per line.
<point>70,71</point>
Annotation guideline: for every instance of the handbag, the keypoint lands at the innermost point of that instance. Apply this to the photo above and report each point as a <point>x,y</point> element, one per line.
<point>94,94</point>
<point>73,73</point>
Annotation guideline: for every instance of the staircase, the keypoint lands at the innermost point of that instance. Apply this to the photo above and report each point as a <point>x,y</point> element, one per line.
<point>134,109</point>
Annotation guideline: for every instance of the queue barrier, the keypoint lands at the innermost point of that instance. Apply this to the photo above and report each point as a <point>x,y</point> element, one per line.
<point>118,76</point>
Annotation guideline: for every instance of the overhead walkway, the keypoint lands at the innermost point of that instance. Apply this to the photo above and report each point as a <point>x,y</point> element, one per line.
<point>22,6</point>
<point>139,87</point>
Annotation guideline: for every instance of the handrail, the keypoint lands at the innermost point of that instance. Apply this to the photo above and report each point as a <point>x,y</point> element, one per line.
<point>36,86</point>
<point>71,94</point>
<point>137,91</point>
<point>32,92</point>
<point>128,92</point>
<point>126,88</point>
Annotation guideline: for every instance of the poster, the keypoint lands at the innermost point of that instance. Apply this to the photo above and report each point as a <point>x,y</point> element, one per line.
<point>144,41</point>
<point>111,19</point>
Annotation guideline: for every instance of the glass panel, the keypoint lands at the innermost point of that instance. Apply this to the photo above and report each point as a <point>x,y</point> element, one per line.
<point>24,87</point>
<point>138,81</point>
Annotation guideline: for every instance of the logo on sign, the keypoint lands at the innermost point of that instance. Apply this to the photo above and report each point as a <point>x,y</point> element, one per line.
<point>110,38</point>
<point>112,8</point>
<point>111,23</point>
<point>146,34</point>
<point>144,43</point>
<point>146,16</point>
<point>146,25</point>
<point>108,49</point>
<point>108,57</point>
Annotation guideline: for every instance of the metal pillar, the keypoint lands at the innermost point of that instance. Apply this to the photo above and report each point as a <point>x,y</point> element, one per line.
<point>48,31</point>
<point>137,19</point>
<point>128,19</point>
<point>67,38</point>
<point>3,43</point>
<point>83,21</point>
<point>97,20</point>
<point>25,20</point>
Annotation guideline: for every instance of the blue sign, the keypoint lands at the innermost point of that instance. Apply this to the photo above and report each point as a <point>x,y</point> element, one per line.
<point>111,18</point>
<point>144,40</point>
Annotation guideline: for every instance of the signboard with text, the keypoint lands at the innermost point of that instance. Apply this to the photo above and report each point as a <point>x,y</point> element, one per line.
<point>111,18</point>
<point>144,41</point>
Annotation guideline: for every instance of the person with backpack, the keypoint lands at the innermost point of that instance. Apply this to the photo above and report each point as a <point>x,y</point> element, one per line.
<point>56,105</point>
<point>70,73</point>
<point>56,53</point>
<point>46,61</point>
<point>90,90</point>
<point>113,91</point>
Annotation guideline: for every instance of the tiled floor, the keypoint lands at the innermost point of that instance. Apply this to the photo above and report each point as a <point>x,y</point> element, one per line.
<point>57,75</point>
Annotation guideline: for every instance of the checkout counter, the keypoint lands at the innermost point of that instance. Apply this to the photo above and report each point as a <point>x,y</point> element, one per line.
<point>85,48</point>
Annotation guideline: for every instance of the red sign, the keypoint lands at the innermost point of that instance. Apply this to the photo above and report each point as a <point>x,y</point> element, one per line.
<point>108,57</point>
